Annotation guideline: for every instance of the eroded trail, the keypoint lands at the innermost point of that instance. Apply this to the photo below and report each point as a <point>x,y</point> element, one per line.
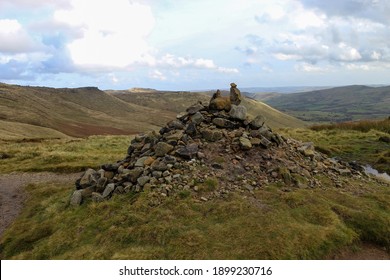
<point>12,193</point>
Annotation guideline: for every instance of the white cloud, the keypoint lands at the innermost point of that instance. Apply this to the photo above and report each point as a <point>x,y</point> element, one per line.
<point>14,39</point>
<point>348,53</point>
<point>114,34</point>
<point>158,75</point>
<point>310,68</point>
<point>170,60</point>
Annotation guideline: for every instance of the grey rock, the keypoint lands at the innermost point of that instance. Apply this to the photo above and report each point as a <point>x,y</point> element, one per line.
<point>212,135</point>
<point>245,143</point>
<point>307,149</point>
<point>157,174</point>
<point>97,197</point>
<point>195,108</point>
<point>197,118</point>
<point>258,122</point>
<point>140,162</point>
<point>238,112</point>
<point>159,165</point>
<point>174,135</point>
<point>188,151</point>
<point>143,180</point>
<point>89,177</point>
<point>176,124</point>
<point>166,173</point>
<point>134,174</point>
<point>220,122</point>
<point>76,198</point>
<point>191,129</point>
<point>108,190</point>
<point>162,148</point>
<point>265,142</point>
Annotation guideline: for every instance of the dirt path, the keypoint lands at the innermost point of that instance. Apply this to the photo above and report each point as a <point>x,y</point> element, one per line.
<point>12,193</point>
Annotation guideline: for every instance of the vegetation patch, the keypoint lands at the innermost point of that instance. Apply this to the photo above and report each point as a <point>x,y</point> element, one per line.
<point>303,224</point>
<point>61,155</point>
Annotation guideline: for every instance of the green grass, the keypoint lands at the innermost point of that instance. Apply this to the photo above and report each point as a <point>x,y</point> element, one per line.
<point>61,155</point>
<point>304,224</point>
<point>363,126</point>
<point>347,144</point>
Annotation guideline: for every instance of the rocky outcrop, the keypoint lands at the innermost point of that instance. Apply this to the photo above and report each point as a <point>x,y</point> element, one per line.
<point>206,145</point>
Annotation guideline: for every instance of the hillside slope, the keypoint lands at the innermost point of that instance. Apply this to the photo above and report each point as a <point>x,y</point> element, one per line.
<point>42,112</point>
<point>178,102</point>
<point>76,112</point>
<point>335,104</point>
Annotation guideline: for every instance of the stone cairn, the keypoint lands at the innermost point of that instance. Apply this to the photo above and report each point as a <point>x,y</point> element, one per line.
<point>208,152</point>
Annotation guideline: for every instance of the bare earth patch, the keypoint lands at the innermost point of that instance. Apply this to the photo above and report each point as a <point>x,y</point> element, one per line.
<point>12,193</point>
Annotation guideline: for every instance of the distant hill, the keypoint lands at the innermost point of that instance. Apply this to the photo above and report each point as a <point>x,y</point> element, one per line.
<point>42,112</point>
<point>335,104</point>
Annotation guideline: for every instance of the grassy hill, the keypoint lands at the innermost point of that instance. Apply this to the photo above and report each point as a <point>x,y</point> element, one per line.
<point>76,112</point>
<point>42,112</point>
<point>335,104</point>
<point>177,102</point>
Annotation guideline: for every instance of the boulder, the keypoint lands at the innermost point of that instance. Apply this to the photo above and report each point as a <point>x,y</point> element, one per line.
<point>238,112</point>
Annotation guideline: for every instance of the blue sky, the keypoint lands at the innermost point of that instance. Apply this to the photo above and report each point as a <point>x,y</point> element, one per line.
<point>203,44</point>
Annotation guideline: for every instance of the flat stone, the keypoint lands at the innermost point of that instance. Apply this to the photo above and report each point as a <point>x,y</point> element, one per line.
<point>195,108</point>
<point>238,112</point>
<point>162,148</point>
<point>220,122</point>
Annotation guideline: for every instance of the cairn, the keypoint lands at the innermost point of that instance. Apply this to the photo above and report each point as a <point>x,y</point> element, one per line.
<point>217,143</point>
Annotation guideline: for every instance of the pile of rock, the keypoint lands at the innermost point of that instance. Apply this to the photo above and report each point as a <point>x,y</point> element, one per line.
<point>208,153</point>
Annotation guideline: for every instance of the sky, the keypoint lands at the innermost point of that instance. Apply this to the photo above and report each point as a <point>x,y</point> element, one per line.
<point>190,45</point>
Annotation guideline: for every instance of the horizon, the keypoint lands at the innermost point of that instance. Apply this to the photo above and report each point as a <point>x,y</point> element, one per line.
<point>194,45</point>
